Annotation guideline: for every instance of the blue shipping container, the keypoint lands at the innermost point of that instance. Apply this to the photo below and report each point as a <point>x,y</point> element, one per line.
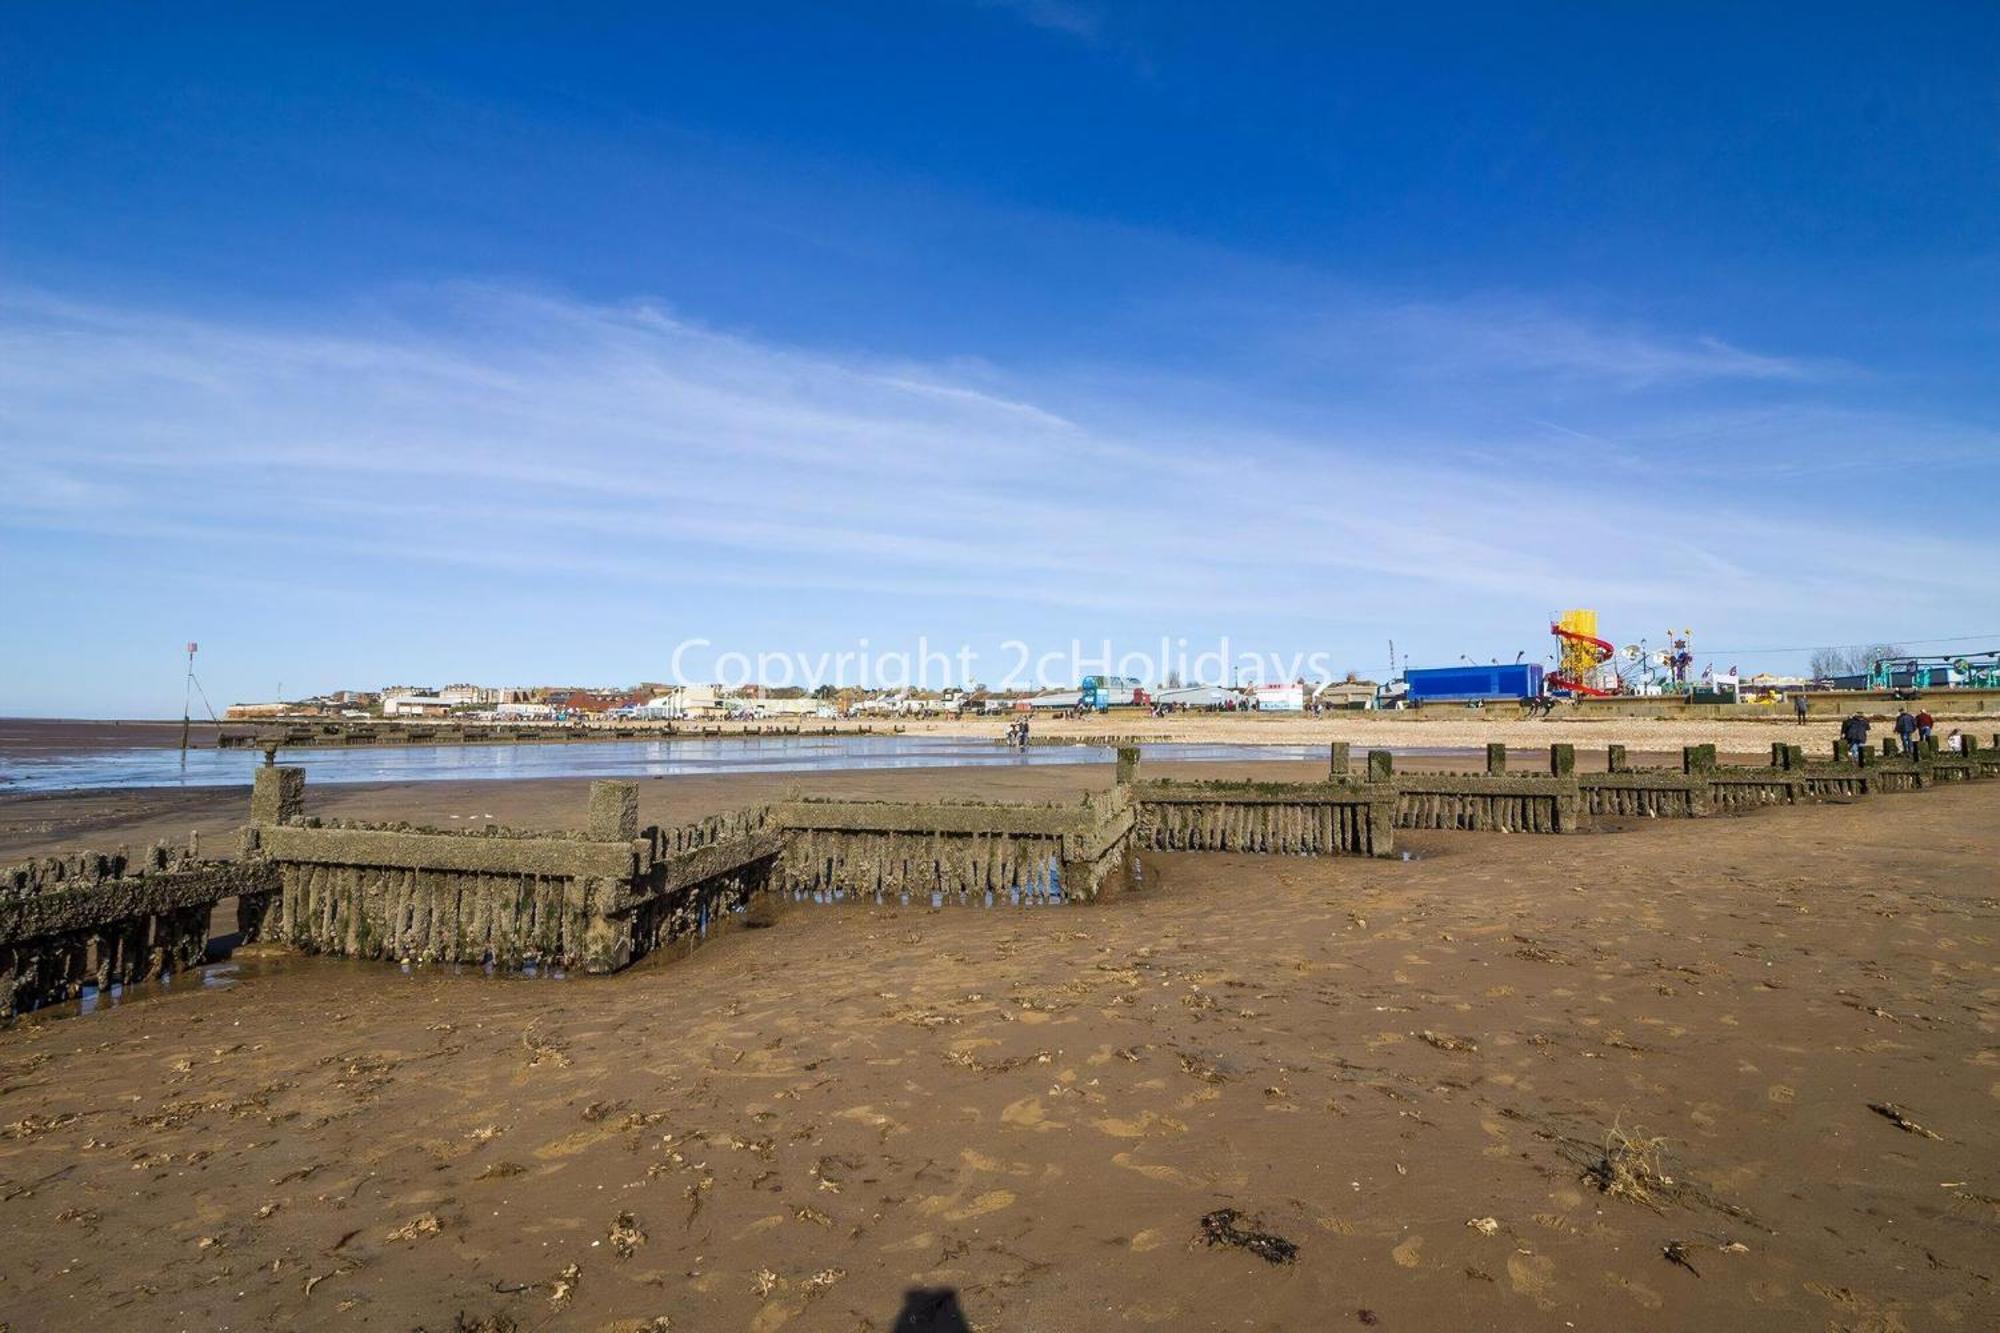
<point>1516,680</point>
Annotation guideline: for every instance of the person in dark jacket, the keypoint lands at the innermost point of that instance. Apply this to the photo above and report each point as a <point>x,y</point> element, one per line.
<point>1855,732</point>
<point>1800,706</point>
<point>1906,732</point>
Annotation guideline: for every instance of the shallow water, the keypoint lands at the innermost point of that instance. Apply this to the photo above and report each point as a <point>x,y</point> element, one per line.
<point>680,756</point>
<point>231,969</point>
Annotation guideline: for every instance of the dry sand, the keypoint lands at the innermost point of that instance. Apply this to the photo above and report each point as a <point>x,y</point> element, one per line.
<point>1452,728</point>
<point>1410,1071</point>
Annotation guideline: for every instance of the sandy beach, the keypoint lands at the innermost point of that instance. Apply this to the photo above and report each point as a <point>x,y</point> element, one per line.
<point>1622,1078</point>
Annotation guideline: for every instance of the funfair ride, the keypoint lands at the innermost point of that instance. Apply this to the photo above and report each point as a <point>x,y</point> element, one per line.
<point>1582,659</point>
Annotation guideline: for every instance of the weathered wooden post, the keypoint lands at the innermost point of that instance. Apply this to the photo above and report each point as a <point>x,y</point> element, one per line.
<point>278,794</point>
<point>1381,766</point>
<point>1128,765</point>
<point>1569,797</point>
<point>1496,758</point>
<point>607,933</point>
<point>614,811</point>
<point>1337,761</point>
<point>1614,759</point>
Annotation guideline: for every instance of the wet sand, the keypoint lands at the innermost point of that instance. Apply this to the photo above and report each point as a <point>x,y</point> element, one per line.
<point>1409,1071</point>
<point>1447,727</point>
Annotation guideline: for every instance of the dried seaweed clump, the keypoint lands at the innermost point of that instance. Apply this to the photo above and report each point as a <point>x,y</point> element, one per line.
<point>1631,1167</point>
<point>1221,1228</point>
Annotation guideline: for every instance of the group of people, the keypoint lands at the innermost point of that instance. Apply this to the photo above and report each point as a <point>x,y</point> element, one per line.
<point>1017,733</point>
<point>1912,731</point>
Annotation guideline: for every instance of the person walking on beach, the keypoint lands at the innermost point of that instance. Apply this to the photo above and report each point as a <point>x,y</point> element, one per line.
<point>1906,732</point>
<point>1022,735</point>
<point>1924,724</point>
<point>1799,707</point>
<point>1855,732</point>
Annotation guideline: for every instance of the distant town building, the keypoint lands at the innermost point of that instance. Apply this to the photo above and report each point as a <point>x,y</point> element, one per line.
<point>414,705</point>
<point>1198,697</point>
<point>769,707</point>
<point>682,701</point>
<point>1346,694</point>
<point>1279,698</point>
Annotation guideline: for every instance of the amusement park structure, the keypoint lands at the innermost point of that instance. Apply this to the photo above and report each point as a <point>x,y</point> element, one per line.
<point>1965,670</point>
<point>1583,661</point>
<point>1589,666</point>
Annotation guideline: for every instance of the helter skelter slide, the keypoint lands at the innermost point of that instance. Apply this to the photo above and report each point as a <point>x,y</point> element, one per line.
<point>1582,657</point>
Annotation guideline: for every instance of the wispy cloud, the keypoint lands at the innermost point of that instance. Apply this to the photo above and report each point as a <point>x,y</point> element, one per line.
<point>617,455</point>
<point>1493,339</point>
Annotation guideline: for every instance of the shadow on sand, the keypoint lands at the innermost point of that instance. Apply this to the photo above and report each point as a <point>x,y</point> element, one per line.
<point>931,1310</point>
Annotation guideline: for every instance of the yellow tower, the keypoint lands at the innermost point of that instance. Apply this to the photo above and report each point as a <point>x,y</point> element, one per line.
<point>1582,651</point>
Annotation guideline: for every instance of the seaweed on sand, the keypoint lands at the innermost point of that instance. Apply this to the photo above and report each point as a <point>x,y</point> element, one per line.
<point>1221,1228</point>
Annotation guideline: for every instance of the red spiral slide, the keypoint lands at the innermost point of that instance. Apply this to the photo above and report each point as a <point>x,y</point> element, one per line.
<point>1566,681</point>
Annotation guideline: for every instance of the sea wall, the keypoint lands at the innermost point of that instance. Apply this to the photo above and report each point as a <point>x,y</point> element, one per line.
<point>103,919</point>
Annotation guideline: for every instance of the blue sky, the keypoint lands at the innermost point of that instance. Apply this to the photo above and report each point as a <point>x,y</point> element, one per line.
<point>368,344</point>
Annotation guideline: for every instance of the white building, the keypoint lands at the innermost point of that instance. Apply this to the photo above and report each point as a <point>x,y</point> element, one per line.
<point>1278,698</point>
<point>414,705</point>
<point>1194,696</point>
<point>782,707</point>
<point>683,701</point>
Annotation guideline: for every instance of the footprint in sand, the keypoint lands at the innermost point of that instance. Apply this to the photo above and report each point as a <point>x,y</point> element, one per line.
<point>1638,1291</point>
<point>1407,1254</point>
<point>1029,1113</point>
<point>1163,1173</point>
<point>990,1202</point>
<point>1138,1127</point>
<point>1532,1275</point>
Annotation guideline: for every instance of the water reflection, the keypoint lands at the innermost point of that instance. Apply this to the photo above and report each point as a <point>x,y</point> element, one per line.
<point>162,767</point>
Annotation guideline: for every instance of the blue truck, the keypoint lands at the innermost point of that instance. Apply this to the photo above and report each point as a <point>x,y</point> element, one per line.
<point>1474,684</point>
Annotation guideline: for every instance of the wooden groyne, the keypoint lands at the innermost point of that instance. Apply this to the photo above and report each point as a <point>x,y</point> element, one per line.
<point>104,919</point>
<point>599,898</point>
